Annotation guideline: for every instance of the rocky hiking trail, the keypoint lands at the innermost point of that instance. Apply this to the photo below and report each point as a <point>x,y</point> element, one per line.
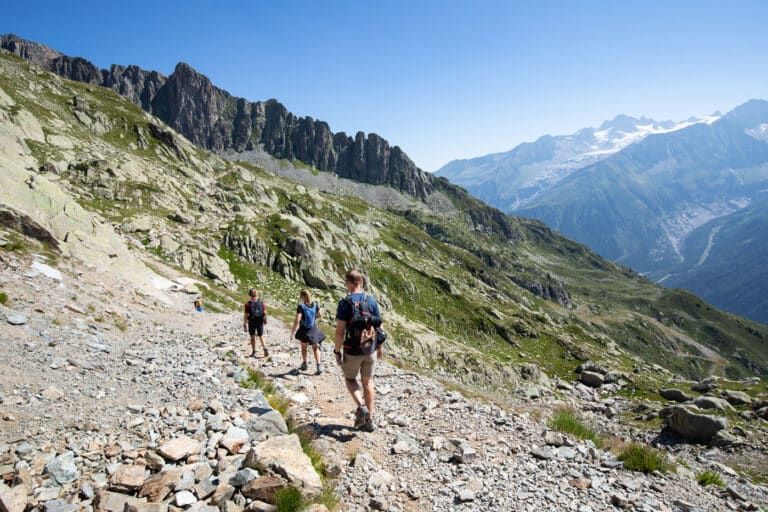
<point>116,401</point>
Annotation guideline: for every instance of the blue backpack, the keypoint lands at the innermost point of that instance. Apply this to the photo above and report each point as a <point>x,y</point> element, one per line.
<point>308,315</point>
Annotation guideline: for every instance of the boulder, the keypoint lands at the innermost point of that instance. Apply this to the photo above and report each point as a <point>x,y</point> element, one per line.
<point>179,448</point>
<point>737,397</point>
<point>592,379</point>
<point>127,477</point>
<point>235,439</point>
<point>676,395</point>
<point>284,456</point>
<point>263,488</point>
<point>157,487</point>
<point>13,499</point>
<point>107,501</point>
<point>16,319</point>
<point>688,422</point>
<point>62,468</point>
<point>711,402</point>
<point>262,418</point>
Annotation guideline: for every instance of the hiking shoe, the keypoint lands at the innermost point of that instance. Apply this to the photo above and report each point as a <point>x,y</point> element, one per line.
<point>361,416</point>
<point>303,366</point>
<point>266,353</point>
<point>319,369</point>
<point>368,426</point>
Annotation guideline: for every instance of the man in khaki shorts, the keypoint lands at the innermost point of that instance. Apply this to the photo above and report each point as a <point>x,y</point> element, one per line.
<point>357,320</point>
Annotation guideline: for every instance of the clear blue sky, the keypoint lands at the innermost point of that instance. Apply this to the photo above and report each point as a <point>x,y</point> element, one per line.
<point>443,79</point>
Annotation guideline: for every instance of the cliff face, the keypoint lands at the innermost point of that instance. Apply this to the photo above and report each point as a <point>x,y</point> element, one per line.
<point>213,119</point>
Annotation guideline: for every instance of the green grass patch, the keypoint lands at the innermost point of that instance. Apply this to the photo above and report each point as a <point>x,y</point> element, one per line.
<point>643,458</point>
<point>706,478</point>
<point>3,298</point>
<point>565,420</point>
<point>289,499</point>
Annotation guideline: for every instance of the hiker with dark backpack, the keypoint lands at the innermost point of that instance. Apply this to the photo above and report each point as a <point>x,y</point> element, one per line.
<point>305,329</point>
<point>359,334</point>
<point>254,320</point>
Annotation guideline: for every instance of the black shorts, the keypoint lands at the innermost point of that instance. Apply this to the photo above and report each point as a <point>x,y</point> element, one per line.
<point>256,327</point>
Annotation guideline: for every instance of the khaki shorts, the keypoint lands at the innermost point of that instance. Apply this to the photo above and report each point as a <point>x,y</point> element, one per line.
<point>352,365</point>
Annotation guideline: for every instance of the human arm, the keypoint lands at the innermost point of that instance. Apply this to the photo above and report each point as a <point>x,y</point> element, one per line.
<point>296,321</point>
<point>338,341</point>
<point>265,312</point>
<point>245,317</point>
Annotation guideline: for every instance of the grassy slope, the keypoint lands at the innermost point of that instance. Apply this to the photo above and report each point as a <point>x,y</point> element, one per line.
<point>454,301</point>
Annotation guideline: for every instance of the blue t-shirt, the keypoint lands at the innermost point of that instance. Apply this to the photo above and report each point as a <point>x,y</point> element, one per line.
<point>344,309</point>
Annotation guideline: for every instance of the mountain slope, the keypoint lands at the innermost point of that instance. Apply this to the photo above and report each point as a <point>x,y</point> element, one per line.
<point>480,305</point>
<point>640,205</point>
<point>512,179</point>
<point>725,261</point>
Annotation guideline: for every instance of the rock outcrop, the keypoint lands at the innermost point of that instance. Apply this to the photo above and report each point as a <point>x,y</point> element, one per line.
<point>213,119</point>
<point>689,423</point>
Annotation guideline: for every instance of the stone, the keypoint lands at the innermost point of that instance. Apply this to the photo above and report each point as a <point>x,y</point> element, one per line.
<point>154,461</point>
<point>676,395</point>
<point>184,499</point>
<point>234,439</point>
<point>157,487</point>
<point>284,455</point>
<point>16,319</point>
<point>62,468</point>
<point>711,402</point>
<point>580,483</point>
<point>59,505</point>
<point>687,422</point>
<point>108,501</point>
<point>146,507</point>
<point>591,379</point>
<point>52,393</point>
<point>379,480</point>
<point>553,438</point>
<point>260,506</point>
<point>127,477</point>
<point>205,488</point>
<point>222,494</point>
<point>263,418</point>
<point>179,448</point>
<point>465,495</point>
<point>243,476</point>
<point>263,488</point>
<point>13,499</point>
<point>737,397</point>
<point>543,453</point>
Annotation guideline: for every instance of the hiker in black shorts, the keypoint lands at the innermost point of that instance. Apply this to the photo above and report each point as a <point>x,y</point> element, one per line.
<point>305,329</point>
<point>254,320</point>
<point>358,332</point>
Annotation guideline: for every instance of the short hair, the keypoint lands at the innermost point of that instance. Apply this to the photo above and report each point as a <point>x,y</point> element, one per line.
<point>306,295</point>
<point>253,293</point>
<point>354,276</point>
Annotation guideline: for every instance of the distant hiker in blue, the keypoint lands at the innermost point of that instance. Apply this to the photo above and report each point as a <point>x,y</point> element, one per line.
<point>359,333</point>
<point>305,329</point>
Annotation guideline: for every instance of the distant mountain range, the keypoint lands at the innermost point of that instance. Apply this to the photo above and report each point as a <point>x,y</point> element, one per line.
<point>681,202</point>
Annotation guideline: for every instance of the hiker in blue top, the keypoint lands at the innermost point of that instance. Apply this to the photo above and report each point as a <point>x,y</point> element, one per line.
<point>305,329</point>
<point>359,333</point>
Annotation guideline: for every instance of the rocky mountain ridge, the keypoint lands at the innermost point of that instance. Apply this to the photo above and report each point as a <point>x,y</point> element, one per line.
<point>213,119</point>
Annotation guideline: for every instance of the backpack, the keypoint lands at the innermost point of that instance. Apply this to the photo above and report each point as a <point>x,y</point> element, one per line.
<point>255,310</point>
<point>308,315</point>
<point>360,336</point>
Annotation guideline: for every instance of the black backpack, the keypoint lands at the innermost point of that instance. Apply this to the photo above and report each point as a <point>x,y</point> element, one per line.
<point>255,310</point>
<point>360,336</point>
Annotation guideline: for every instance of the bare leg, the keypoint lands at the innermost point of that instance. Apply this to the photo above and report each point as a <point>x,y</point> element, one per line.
<point>304,352</point>
<point>354,389</point>
<point>263,344</point>
<point>253,344</point>
<point>368,394</point>
<point>316,351</point>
